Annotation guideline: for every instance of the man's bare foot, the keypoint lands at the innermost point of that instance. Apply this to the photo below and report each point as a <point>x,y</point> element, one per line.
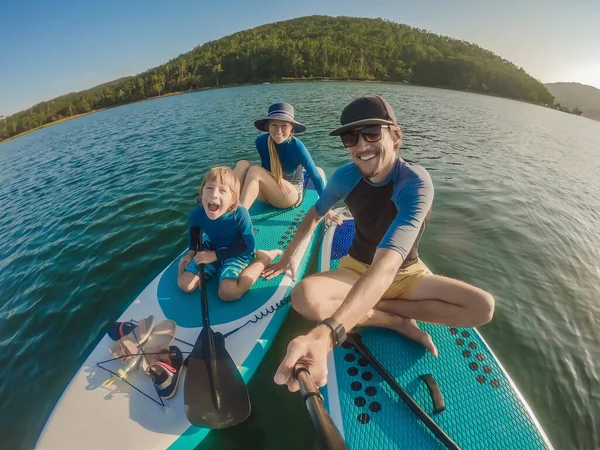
<point>400,324</point>
<point>266,256</point>
<point>409,328</point>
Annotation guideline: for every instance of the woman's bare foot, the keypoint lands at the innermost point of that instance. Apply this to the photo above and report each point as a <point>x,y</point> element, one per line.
<point>266,256</point>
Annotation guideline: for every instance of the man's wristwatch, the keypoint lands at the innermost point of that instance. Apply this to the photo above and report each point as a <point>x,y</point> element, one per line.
<point>337,329</point>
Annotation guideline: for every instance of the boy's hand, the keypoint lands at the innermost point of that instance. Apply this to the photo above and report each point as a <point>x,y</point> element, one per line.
<point>186,259</point>
<point>205,257</point>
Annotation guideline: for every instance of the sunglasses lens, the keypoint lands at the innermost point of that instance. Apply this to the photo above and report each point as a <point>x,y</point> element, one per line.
<point>372,137</point>
<point>372,133</point>
<point>349,139</point>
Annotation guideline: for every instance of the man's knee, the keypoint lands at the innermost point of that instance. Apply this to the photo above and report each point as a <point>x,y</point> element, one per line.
<point>482,309</point>
<point>488,305</point>
<point>304,300</point>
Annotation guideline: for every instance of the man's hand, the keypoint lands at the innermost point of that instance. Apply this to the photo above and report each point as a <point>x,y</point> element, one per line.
<point>205,257</point>
<point>284,263</point>
<point>312,349</point>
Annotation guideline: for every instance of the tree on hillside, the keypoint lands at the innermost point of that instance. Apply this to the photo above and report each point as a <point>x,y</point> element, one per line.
<point>316,47</point>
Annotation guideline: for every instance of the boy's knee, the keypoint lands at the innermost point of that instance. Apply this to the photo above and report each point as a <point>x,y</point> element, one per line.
<point>185,287</point>
<point>229,295</point>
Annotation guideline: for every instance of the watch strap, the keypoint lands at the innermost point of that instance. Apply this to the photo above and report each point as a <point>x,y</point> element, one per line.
<point>337,329</point>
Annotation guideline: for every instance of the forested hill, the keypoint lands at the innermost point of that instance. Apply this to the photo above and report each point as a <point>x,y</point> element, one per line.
<point>316,47</point>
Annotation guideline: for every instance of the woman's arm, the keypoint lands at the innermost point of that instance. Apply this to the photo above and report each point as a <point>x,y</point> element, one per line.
<point>310,166</point>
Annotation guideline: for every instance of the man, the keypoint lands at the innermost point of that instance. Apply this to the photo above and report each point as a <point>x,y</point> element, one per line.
<point>381,282</point>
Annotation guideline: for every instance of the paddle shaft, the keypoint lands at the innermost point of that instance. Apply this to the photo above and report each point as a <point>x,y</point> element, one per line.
<point>211,339</point>
<point>328,436</point>
<point>215,394</point>
<point>362,349</point>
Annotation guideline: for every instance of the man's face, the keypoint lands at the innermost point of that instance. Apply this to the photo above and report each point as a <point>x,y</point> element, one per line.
<point>374,151</point>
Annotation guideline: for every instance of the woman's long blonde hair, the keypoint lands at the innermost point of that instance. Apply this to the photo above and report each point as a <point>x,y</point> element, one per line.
<point>276,169</point>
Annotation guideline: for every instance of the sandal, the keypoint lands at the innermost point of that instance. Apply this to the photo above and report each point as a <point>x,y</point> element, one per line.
<point>117,330</point>
<point>129,345</point>
<point>161,338</point>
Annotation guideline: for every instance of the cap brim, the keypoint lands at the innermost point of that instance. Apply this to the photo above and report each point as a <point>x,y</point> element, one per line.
<point>360,124</point>
<point>260,124</point>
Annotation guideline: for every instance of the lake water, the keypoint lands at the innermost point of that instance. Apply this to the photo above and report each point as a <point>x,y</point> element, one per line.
<point>92,209</point>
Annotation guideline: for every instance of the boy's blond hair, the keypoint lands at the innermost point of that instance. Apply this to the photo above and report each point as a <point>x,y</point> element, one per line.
<point>227,176</point>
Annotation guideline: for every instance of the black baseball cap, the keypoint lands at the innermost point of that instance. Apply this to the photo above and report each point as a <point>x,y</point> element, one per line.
<point>364,111</point>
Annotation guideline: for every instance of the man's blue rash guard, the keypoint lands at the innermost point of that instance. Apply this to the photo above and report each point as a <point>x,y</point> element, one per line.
<point>230,235</point>
<point>390,214</point>
<point>292,153</point>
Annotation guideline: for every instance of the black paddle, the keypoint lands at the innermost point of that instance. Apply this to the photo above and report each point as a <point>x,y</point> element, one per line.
<point>356,341</point>
<point>328,436</point>
<point>214,393</point>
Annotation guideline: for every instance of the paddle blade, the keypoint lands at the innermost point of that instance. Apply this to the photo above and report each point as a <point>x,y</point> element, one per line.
<point>214,392</point>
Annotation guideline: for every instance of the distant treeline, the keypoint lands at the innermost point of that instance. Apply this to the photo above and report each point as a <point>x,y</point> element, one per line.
<point>321,47</point>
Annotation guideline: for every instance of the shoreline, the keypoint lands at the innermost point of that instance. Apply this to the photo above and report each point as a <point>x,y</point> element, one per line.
<point>64,119</point>
<point>280,81</point>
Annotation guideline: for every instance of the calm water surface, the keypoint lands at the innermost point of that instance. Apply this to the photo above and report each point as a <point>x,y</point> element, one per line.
<point>93,209</point>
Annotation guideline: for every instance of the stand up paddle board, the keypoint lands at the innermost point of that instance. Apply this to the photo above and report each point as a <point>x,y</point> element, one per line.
<point>483,408</point>
<point>92,416</point>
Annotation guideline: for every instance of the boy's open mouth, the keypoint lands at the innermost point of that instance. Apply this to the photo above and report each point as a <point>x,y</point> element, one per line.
<point>213,207</point>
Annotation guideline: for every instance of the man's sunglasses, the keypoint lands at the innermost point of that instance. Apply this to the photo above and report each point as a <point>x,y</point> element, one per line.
<point>370,134</point>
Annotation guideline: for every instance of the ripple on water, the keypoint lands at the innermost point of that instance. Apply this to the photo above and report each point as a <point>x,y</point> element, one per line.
<point>92,209</point>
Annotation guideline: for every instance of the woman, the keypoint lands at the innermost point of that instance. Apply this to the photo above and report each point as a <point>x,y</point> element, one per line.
<point>280,177</point>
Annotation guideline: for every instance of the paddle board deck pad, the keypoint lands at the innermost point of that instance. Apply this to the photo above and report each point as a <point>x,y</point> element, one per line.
<point>484,409</point>
<point>89,415</point>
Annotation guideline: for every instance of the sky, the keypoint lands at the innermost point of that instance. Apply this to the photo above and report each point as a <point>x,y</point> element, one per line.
<point>50,48</point>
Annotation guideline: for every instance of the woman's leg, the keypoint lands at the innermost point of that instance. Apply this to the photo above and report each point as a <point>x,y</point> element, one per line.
<point>231,288</point>
<point>261,183</point>
<point>241,169</point>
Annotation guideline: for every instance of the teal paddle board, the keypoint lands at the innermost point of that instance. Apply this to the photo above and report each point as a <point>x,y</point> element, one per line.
<point>92,416</point>
<point>483,408</point>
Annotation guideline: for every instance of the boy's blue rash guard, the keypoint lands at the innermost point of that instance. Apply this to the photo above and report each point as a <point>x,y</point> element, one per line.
<point>230,235</point>
<point>291,154</point>
<point>390,214</point>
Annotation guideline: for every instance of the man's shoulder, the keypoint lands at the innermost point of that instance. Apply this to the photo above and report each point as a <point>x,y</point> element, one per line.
<point>412,179</point>
<point>412,172</point>
<point>345,171</point>
<point>346,175</point>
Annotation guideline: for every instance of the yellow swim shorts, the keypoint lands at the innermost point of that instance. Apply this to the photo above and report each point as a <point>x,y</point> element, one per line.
<point>404,282</point>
